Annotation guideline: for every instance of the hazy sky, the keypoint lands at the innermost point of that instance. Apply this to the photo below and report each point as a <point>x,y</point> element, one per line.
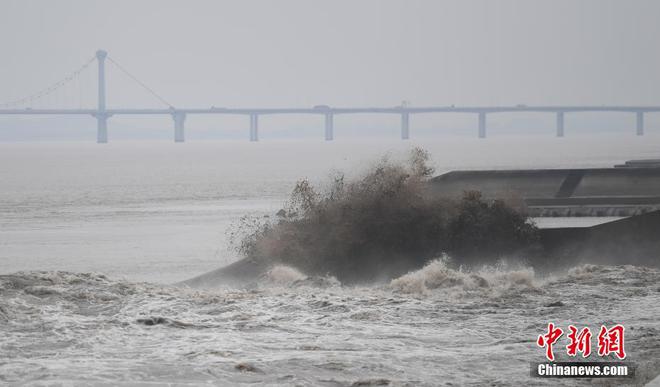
<point>341,53</point>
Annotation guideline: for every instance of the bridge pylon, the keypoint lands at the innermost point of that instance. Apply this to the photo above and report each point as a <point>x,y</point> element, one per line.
<point>101,116</point>
<point>101,128</point>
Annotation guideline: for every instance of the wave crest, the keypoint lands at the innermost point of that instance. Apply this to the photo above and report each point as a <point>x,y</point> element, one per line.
<point>282,275</point>
<point>438,275</point>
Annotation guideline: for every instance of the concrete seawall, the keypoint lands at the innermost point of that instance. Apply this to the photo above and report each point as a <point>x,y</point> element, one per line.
<point>563,192</point>
<point>633,241</point>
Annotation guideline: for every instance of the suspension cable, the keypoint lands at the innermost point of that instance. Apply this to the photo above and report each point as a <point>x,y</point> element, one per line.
<point>147,88</point>
<point>50,89</point>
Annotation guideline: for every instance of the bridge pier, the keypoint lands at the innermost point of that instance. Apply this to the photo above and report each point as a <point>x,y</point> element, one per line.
<point>640,123</point>
<point>405,126</point>
<point>179,128</point>
<point>482,124</point>
<point>101,128</point>
<point>560,124</point>
<point>254,127</point>
<point>329,127</point>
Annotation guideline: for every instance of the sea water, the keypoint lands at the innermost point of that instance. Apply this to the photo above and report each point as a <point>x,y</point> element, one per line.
<point>92,237</point>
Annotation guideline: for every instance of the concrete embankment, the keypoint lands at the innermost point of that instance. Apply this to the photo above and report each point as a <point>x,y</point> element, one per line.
<point>563,192</point>
<point>237,274</point>
<point>634,240</point>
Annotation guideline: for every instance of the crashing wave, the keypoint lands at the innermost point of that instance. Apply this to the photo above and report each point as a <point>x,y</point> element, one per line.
<point>438,275</point>
<point>282,275</point>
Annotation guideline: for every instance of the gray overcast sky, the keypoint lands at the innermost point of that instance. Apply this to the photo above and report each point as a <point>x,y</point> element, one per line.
<point>342,53</point>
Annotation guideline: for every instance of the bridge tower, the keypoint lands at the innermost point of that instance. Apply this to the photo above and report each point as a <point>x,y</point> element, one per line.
<point>101,115</point>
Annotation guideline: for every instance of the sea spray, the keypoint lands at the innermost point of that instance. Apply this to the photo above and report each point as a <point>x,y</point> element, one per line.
<point>381,224</point>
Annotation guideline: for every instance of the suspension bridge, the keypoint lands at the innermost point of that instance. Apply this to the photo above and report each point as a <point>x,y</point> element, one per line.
<point>24,106</point>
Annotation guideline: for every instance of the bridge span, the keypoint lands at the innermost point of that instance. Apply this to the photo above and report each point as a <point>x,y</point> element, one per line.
<point>101,113</point>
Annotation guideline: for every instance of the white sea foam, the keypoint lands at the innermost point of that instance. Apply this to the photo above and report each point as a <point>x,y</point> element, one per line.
<point>438,276</point>
<point>284,275</point>
<point>290,333</point>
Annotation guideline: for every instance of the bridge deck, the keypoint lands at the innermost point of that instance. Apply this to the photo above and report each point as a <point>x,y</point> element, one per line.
<point>341,110</point>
